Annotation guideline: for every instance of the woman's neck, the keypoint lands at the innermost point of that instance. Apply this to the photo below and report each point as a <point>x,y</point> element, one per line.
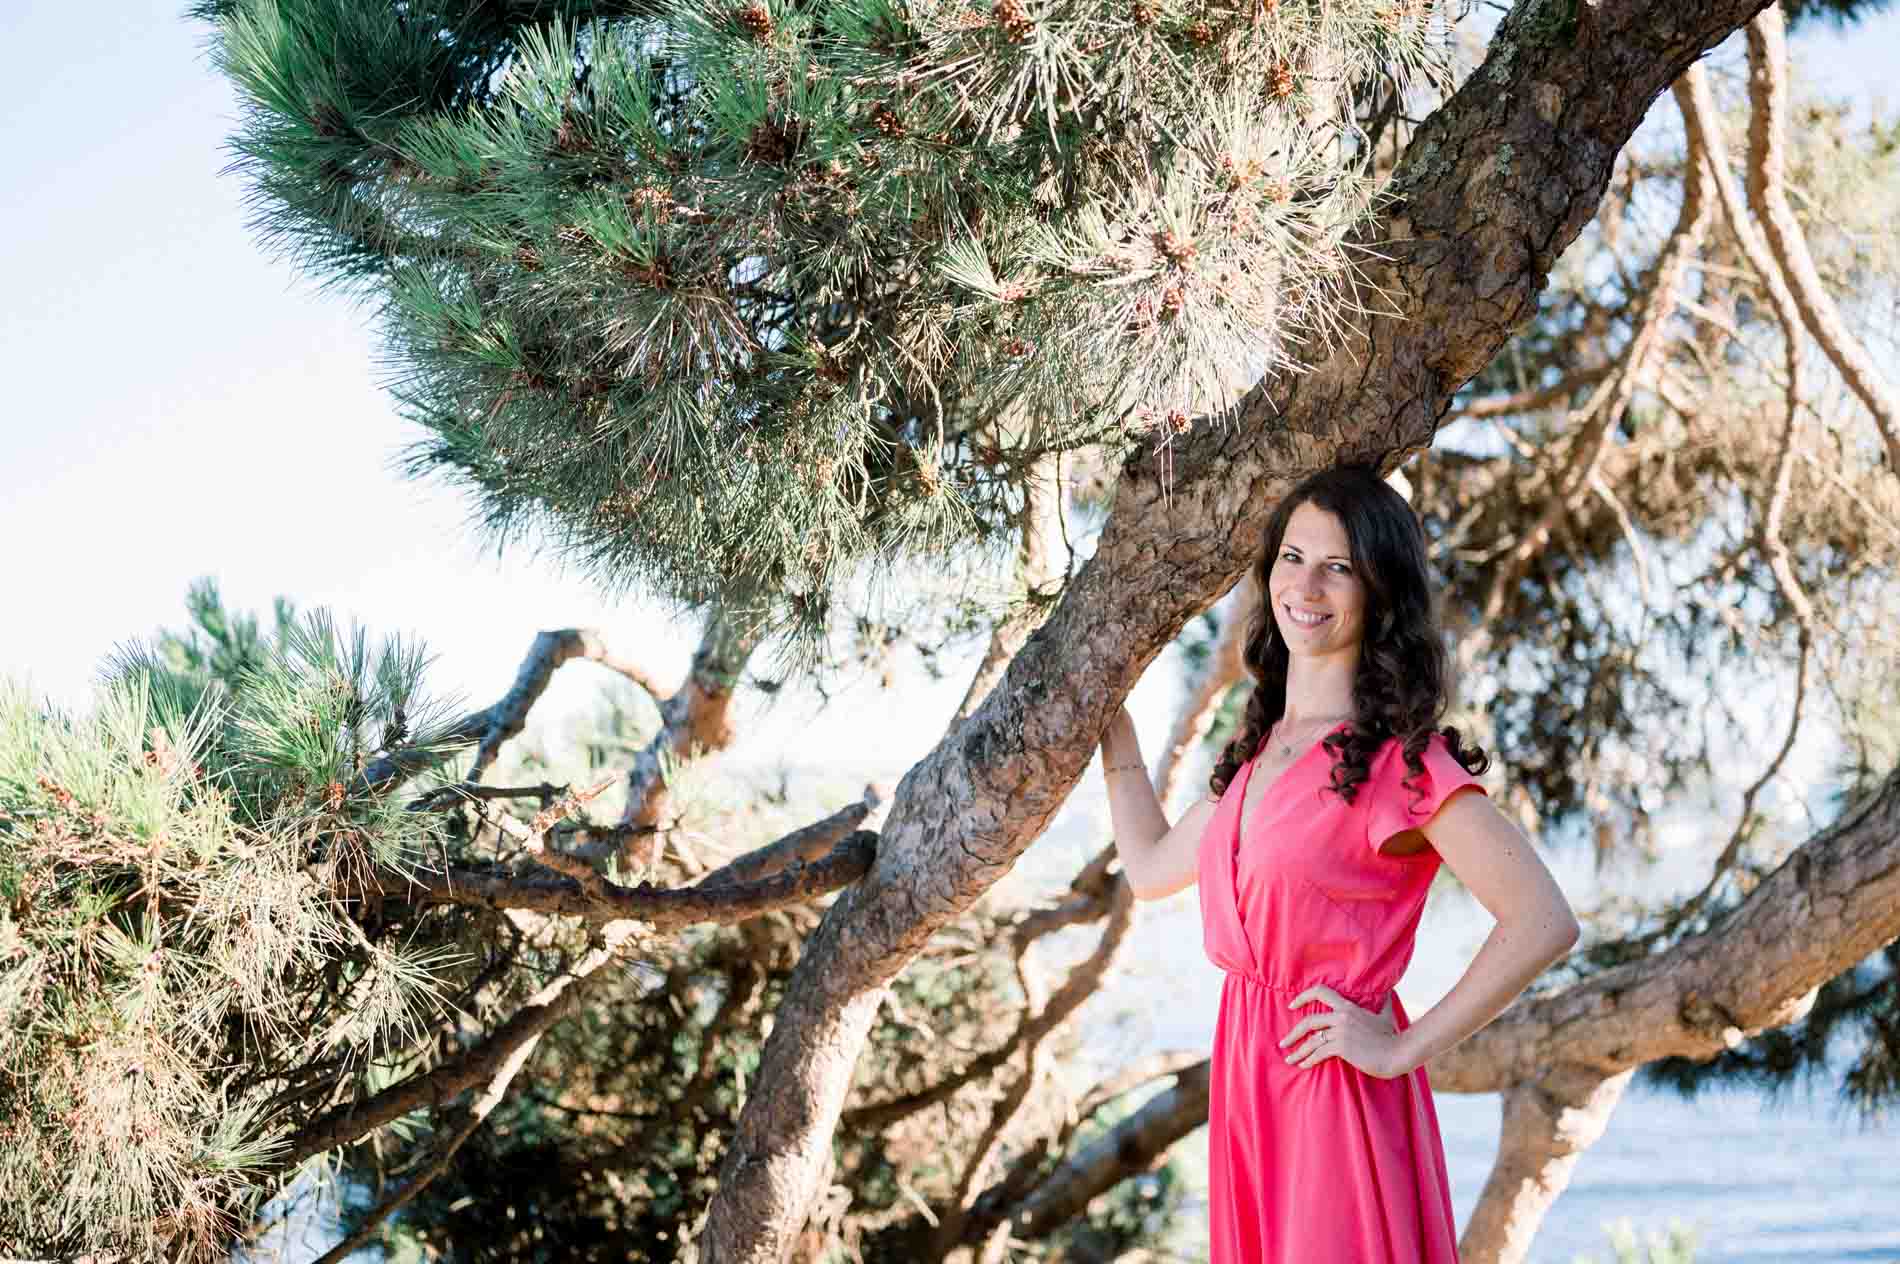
<point>1318,689</point>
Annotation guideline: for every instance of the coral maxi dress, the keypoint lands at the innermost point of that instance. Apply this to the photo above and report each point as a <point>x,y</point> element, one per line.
<point>1322,1165</point>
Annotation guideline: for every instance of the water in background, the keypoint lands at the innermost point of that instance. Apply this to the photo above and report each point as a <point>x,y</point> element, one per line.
<point>1760,1181</point>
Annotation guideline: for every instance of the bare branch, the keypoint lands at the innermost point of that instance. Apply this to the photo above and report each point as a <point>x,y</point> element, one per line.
<point>801,846</point>
<point>1597,419</point>
<point>443,798</point>
<point>443,1154</point>
<point>662,909</point>
<point>1531,401</point>
<point>1548,1124</point>
<point>1225,669</point>
<point>1133,1076</point>
<point>1767,137</point>
<point>1833,901</point>
<point>491,727</point>
<point>1129,1148</point>
<point>1082,983</point>
<point>694,720</point>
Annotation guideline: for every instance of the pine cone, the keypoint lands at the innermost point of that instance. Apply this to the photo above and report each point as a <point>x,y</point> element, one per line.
<point>886,121</point>
<point>1014,18</point>
<point>1144,13</point>
<point>527,258</point>
<point>650,199</point>
<point>1172,301</point>
<point>1177,249</point>
<point>569,138</point>
<point>1281,84</point>
<point>773,142</point>
<point>757,19</point>
<point>1178,422</point>
<point>1200,33</point>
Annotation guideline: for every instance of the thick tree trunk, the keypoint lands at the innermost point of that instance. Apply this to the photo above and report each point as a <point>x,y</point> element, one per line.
<point>1548,1124</point>
<point>1494,186</point>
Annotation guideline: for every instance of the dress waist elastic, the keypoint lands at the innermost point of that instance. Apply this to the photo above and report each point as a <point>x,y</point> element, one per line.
<point>1369,998</point>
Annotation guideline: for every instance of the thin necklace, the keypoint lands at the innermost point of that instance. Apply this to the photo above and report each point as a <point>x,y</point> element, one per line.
<point>1286,744</point>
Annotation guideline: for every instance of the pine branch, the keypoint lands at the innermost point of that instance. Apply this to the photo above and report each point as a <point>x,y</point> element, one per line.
<point>486,1063</point>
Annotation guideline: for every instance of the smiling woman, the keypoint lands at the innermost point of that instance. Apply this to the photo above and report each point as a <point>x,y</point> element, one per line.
<point>1329,815</point>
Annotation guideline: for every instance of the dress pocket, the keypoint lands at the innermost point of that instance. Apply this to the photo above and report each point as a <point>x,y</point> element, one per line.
<point>1365,907</point>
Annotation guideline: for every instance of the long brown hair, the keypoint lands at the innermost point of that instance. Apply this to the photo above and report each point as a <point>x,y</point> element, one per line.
<point>1401,686</point>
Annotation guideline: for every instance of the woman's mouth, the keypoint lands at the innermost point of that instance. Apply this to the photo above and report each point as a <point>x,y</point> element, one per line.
<point>1305,618</point>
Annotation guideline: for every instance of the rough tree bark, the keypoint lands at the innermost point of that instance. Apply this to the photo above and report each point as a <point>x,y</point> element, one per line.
<point>1494,186</point>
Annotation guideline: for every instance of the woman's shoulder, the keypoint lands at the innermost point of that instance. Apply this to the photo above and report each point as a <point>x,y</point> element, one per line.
<point>1390,762</point>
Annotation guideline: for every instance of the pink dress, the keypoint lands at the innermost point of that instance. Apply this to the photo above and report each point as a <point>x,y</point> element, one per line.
<point>1322,1165</point>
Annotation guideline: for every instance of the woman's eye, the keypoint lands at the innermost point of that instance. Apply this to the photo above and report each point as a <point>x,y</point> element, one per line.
<point>1340,568</point>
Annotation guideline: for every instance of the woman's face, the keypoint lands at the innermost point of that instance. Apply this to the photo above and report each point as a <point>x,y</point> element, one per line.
<point>1319,601</point>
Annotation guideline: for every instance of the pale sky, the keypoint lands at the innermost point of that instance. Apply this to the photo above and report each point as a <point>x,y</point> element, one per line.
<point>177,404</point>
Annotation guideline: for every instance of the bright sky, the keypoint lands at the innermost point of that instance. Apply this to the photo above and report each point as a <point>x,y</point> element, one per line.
<point>178,405</point>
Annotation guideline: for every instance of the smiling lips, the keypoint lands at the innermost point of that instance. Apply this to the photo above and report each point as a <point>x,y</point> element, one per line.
<point>1305,618</point>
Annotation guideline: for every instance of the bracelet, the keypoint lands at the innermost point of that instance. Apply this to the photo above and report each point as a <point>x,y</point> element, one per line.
<point>1136,767</point>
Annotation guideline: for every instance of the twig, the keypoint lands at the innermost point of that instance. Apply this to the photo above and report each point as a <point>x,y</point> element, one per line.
<point>477,1113</point>
<point>443,798</point>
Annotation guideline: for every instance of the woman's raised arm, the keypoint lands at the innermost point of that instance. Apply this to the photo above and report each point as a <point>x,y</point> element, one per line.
<point>1157,860</point>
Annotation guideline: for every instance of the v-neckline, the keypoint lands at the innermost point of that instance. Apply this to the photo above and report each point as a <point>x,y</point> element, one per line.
<point>1247,811</point>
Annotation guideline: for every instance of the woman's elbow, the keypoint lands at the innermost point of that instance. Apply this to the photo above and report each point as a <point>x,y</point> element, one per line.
<point>1565,931</point>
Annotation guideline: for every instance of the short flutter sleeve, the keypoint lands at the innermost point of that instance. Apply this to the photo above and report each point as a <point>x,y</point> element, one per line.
<point>1403,800</point>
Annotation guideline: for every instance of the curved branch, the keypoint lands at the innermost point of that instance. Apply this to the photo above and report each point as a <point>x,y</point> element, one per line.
<point>494,725</point>
<point>1832,902</point>
<point>1129,1148</point>
<point>695,719</point>
<point>482,1064</point>
<point>1767,139</point>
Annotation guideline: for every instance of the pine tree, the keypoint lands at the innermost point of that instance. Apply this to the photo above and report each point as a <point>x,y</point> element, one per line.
<point>755,300</point>
<point>181,982</point>
<point>774,308</point>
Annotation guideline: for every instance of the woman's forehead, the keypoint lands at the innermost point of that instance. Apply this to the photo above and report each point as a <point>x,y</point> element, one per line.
<point>1311,529</point>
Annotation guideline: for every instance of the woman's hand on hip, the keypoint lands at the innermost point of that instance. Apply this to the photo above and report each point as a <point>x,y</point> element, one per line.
<point>1371,1042</point>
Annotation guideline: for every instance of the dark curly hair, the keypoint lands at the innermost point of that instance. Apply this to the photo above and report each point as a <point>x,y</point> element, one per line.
<point>1402,683</point>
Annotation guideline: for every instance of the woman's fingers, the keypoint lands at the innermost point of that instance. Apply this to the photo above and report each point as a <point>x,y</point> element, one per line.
<point>1320,992</point>
<point>1316,1048</point>
<point>1309,1023</point>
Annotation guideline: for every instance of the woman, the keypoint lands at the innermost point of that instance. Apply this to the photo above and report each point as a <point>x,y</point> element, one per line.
<point>1328,816</point>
